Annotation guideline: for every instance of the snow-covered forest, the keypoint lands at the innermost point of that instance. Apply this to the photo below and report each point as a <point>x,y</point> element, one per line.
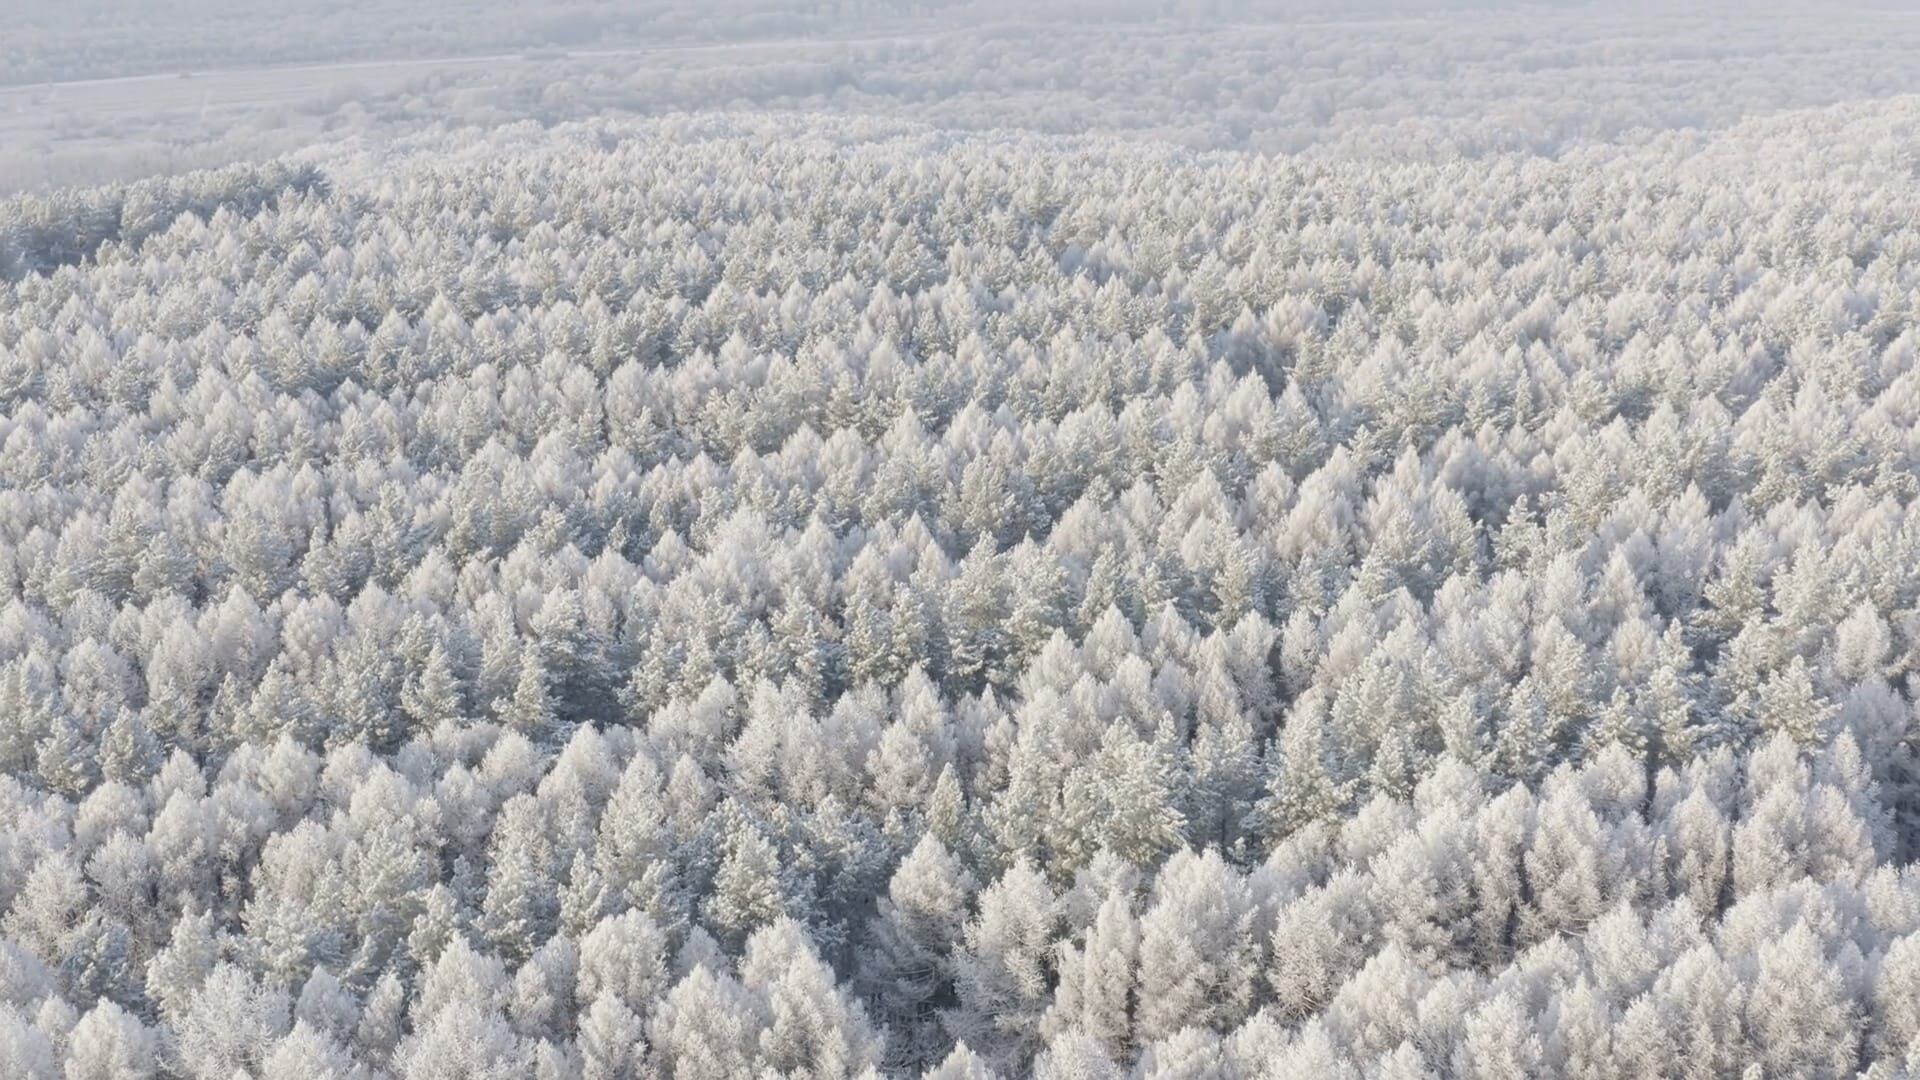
<point>790,593</point>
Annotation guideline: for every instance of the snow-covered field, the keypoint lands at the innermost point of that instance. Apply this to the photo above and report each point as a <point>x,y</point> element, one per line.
<point>1327,79</point>
<point>126,127</point>
<point>1263,544</point>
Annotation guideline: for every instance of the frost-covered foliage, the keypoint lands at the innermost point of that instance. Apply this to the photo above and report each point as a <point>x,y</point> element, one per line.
<point>743,597</point>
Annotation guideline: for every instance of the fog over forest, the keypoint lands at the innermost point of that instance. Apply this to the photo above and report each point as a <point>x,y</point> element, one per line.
<point>1246,540</point>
